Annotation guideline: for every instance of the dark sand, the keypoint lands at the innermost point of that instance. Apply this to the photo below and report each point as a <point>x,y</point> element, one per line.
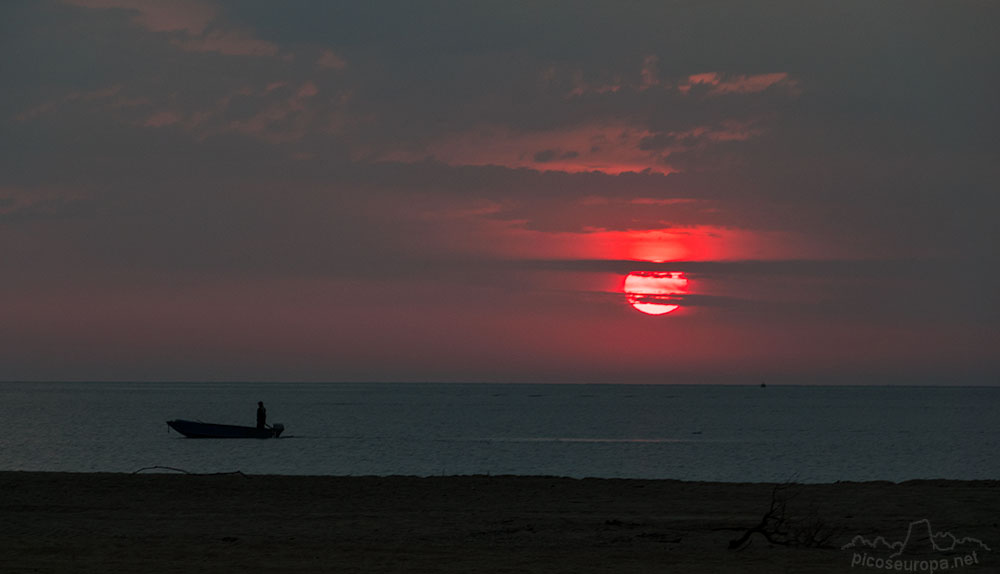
<point>151,523</point>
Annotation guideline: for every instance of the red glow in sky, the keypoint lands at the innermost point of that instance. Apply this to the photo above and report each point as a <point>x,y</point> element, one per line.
<point>191,191</point>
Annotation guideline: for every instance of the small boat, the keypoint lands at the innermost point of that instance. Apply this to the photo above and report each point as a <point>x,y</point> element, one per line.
<point>198,429</point>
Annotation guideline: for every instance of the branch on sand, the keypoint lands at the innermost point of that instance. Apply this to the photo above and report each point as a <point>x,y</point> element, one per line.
<point>779,526</point>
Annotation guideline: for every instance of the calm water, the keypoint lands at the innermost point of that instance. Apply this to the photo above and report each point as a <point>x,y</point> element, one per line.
<point>727,433</point>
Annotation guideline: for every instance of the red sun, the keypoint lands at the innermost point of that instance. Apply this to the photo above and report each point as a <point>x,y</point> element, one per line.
<point>655,292</point>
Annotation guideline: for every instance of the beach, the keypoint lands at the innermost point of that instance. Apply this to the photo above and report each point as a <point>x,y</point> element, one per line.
<point>166,521</point>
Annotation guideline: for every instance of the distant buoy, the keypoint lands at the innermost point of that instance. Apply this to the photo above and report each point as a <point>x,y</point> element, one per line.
<point>762,385</point>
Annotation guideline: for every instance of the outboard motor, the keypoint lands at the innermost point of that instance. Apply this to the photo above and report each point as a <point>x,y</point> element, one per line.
<point>278,429</point>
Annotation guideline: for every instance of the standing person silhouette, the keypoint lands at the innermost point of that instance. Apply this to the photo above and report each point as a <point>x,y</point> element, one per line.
<point>261,415</point>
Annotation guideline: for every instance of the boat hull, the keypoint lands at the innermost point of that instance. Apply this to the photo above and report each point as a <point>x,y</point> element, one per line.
<point>196,429</point>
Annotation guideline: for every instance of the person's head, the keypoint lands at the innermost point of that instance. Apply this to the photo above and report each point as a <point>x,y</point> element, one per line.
<point>260,403</point>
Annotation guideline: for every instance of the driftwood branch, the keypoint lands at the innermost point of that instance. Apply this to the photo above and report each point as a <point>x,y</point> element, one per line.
<point>780,526</point>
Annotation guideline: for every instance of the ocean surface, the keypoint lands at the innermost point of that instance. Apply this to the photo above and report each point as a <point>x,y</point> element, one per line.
<point>718,433</point>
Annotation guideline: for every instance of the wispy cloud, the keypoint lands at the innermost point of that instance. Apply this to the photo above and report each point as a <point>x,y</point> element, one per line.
<point>197,25</point>
<point>907,268</point>
<point>607,148</point>
<point>230,42</point>
<point>331,60</point>
<point>716,84</point>
<point>190,16</point>
<point>610,149</point>
<point>39,203</point>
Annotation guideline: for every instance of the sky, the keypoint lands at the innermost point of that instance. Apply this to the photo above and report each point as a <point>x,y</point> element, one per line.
<point>457,191</point>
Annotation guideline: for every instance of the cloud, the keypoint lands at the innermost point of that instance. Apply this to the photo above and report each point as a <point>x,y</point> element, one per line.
<point>610,149</point>
<point>274,112</point>
<point>905,268</point>
<point>699,138</point>
<point>198,25</point>
<point>331,60</point>
<point>894,292</point>
<point>230,42</point>
<point>715,84</point>
<point>162,118</point>
<point>107,98</point>
<point>650,73</point>
<point>279,114</point>
<point>190,16</point>
<point>20,205</point>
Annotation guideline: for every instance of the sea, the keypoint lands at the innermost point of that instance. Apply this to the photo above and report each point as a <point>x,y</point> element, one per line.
<point>778,433</point>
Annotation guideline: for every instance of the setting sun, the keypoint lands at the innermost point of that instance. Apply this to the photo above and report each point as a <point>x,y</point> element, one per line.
<point>655,292</point>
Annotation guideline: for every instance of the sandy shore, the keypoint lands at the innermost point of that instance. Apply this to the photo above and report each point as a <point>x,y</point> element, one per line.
<point>151,523</point>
